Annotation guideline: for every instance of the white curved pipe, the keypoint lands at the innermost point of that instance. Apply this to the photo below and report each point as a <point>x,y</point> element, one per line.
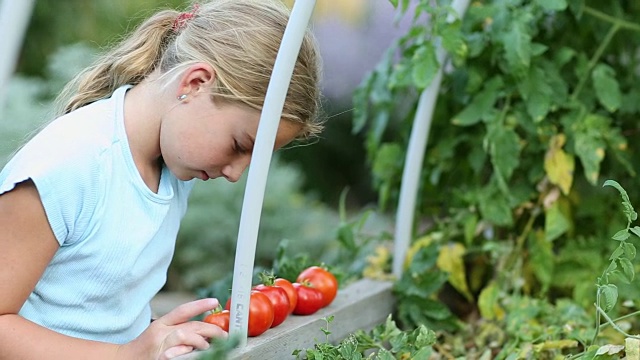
<point>415,156</point>
<point>259,167</point>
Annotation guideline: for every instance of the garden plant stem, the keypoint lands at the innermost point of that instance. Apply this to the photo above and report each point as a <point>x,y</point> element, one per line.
<point>594,59</point>
<point>617,25</point>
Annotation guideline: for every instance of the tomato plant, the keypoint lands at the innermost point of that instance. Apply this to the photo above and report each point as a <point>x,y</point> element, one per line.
<point>321,279</point>
<point>310,299</point>
<point>219,317</point>
<point>290,290</point>
<point>260,313</point>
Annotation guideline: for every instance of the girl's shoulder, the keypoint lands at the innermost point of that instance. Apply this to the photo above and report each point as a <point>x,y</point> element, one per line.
<point>87,131</point>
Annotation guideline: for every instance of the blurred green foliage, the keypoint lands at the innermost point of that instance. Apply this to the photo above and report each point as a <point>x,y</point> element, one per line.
<point>57,23</point>
<point>536,110</point>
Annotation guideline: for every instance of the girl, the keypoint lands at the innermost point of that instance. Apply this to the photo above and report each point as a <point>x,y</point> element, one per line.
<point>90,206</point>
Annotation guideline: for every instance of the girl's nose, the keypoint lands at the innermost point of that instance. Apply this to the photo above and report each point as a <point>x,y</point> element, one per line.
<point>233,171</point>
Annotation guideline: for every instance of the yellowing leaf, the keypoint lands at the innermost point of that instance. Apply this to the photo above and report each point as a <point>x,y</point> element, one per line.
<point>610,350</point>
<point>378,265</point>
<point>559,165</point>
<point>488,303</point>
<point>555,345</point>
<point>632,348</point>
<point>450,260</point>
<point>419,244</point>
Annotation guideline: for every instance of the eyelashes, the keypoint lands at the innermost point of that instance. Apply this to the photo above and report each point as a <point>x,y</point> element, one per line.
<point>237,148</point>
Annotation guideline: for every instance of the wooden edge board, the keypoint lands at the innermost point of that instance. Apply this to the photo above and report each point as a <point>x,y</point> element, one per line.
<point>360,305</point>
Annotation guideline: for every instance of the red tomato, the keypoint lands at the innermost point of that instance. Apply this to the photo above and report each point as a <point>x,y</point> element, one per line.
<point>322,280</point>
<point>309,299</point>
<point>219,318</point>
<point>279,300</point>
<point>291,292</point>
<point>260,313</point>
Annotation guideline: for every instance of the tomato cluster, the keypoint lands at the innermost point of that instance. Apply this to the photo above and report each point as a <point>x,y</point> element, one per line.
<point>272,301</point>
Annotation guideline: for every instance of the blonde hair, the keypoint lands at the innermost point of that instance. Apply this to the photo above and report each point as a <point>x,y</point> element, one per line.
<point>238,38</point>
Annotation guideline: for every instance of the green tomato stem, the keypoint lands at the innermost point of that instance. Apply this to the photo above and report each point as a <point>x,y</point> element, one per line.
<point>594,59</point>
<point>614,20</point>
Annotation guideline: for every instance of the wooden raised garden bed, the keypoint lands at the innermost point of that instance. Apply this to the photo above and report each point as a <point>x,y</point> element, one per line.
<point>360,305</point>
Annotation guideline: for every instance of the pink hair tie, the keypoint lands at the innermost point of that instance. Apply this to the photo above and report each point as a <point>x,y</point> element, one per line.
<point>181,21</point>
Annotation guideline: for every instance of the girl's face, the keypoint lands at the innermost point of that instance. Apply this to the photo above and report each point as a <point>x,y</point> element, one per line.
<point>204,140</point>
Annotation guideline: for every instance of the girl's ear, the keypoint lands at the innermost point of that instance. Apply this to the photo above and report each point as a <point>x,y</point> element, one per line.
<point>198,77</point>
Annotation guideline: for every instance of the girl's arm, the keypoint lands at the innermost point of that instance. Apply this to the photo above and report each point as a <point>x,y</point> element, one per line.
<point>28,245</point>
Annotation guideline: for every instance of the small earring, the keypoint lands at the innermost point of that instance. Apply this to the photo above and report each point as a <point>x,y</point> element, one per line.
<point>182,97</point>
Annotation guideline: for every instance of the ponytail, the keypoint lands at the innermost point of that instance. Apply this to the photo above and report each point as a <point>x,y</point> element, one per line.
<point>238,38</point>
<point>128,63</point>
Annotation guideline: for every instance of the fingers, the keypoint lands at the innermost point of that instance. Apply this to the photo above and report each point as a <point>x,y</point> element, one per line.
<point>182,341</point>
<point>181,335</point>
<point>205,330</point>
<point>176,351</point>
<point>185,312</point>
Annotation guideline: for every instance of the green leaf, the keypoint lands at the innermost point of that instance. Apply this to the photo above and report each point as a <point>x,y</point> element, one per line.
<point>346,237</point>
<point>361,104</point>
<point>517,47</point>
<point>384,354</point>
<point>610,294</point>
<point>629,211</point>
<point>453,41</point>
<point>405,5</point>
<point>555,222</point>
<point>635,229</point>
<point>621,235</point>
<point>349,348</point>
<point>621,190</point>
<point>398,342</point>
<point>542,260</point>
<point>470,225</point>
<point>494,207</point>
<point>424,337</point>
<point>577,7</point>
<point>488,303</point>
<point>423,354</point>
<point>563,56</point>
<point>425,65</point>
<point>401,76</point>
<point>434,309</point>
<point>606,87</point>
<point>505,150</point>
<point>552,5</point>
<point>629,251</point>
<point>481,105</point>
<point>537,93</point>
<point>627,269</point>
<point>590,146</point>
<point>387,161</point>
<point>619,251</point>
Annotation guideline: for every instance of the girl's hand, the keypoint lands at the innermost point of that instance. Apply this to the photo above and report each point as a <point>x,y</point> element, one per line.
<point>174,334</point>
